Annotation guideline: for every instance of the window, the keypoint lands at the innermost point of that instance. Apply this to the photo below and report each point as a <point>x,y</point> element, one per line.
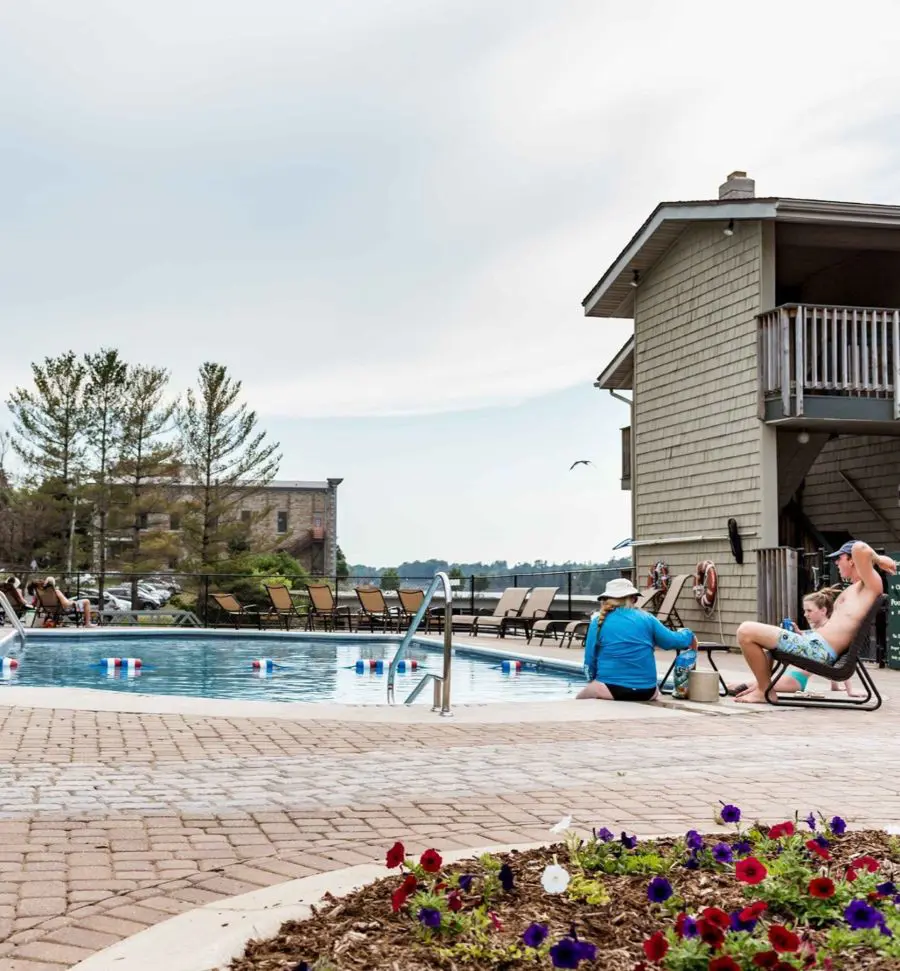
<point>175,520</point>
<point>142,520</point>
<point>282,522</point>
<point>245,516</point>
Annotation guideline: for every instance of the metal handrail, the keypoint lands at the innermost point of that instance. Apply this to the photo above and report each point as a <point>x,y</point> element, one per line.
<point>440,579</point>
<point>13,617</point>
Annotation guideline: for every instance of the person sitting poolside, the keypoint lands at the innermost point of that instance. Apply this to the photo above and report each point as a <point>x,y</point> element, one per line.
<point>82,607</point>
<point>619,662</point>
<point>10,588</point>
<point>856,562</point>
<point>817,608</point>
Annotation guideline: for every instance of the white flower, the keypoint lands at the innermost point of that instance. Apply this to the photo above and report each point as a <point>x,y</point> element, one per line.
<point>562,825</point>
<point>555,879</point>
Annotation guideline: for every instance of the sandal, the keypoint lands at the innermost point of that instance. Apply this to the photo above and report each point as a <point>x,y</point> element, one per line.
<point>738,689</point>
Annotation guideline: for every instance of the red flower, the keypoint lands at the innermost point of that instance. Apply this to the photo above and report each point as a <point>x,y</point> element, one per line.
<point>781,829</point>
<point>454,901</point>
<point>495,920</point>
<point>655,947</point>
<point>716,917</point>
<point>814,847</point>
<point>679,924</point>
<point>782,939</point>
<point>750,870</point>
<point>766,959</point>
<point>710,934</point>
<point>821,887</point>
<point>850,875</point>
<point>754,911</point>
<point>409,883</point>
<point>398,899</point>
<point>724,963</point>
<point>395,855</point>
<point>431,861</point>
<point>865,863</point>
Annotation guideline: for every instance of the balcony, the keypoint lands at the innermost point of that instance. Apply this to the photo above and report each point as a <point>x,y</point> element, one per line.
<point>832,368</point>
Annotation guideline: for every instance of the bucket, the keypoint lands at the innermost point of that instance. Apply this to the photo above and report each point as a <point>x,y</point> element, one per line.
<point>703,686</point>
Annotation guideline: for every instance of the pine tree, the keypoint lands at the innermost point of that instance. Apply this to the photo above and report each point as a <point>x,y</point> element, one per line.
<point>226,461</point>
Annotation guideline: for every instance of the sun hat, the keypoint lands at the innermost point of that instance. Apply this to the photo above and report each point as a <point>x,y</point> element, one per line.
<point>846,548</point>
<point>619,589</point>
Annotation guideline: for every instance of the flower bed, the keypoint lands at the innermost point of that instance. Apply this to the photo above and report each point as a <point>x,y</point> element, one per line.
<point>804,893</point>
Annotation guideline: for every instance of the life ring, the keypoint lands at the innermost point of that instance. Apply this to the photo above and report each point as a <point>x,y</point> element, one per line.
<point>658,577</point>
<point>706,585</point>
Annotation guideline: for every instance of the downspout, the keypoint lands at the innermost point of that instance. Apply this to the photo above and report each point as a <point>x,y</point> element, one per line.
<point>630,403</point>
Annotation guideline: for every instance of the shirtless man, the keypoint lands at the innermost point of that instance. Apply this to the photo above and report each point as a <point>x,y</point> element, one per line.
<point>856,562</point>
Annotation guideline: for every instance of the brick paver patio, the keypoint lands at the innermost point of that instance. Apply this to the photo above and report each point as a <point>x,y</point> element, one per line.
<point>111,822</point>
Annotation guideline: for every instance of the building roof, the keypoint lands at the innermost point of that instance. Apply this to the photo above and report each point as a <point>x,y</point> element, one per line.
<point>618,375</point>
<point>301,484</point>
<point>613,294</point>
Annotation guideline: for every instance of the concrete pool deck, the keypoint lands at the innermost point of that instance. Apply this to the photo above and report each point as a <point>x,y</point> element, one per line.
<point>113,819</point>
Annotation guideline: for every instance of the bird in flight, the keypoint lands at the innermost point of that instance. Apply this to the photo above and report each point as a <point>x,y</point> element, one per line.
<point>580,462</point>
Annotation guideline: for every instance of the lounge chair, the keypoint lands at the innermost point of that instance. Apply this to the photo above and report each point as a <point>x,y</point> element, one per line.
<point>52,610</point>
<point>410,601</point>
<point>324,607</point>
<point>847,665</point>
<point>238,612</point>
<point>510,603</point>
<point>376,610</point>
<point>666,613</point>
<point>283,605</point>
<point>536,608</point>
<point>14,597</point>
<point>570,630</point>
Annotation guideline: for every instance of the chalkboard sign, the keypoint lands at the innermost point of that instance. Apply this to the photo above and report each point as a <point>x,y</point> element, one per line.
<point>893,626</point>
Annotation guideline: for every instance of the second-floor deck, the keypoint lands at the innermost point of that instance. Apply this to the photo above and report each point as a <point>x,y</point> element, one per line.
<point>831,366</point>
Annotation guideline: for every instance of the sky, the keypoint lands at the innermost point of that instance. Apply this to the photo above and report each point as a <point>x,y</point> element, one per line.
<point>383,215</point>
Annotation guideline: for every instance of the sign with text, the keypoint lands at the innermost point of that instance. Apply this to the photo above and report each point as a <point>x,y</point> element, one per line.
<point>893,625</point>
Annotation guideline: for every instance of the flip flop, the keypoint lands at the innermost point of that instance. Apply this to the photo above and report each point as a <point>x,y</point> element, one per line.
<point>738,689</point>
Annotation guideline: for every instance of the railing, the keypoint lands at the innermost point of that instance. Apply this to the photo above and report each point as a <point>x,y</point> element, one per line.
<point>813,349</point>
<point>13,618</point>
<point>442,683</point>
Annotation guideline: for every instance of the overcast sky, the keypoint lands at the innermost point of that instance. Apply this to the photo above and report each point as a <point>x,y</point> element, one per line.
<point>382,215</point>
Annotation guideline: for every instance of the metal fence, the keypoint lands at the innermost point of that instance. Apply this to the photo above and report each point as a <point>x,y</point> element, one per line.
<point>191,591</point>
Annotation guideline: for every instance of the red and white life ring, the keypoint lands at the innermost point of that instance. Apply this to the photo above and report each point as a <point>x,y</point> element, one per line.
<point>706,585</point>
<point>658,577</point>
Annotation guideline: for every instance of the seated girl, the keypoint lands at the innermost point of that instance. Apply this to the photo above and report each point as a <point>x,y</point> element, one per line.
<point>619,662</point>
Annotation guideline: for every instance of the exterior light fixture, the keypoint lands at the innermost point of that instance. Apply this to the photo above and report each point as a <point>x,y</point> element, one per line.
<point>803,437</point>
<point>729,229</point>
<point>636,279</point>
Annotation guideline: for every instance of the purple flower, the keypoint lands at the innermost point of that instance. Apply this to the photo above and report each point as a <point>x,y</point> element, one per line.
<point>742,925</point>
<point>692,863</point>
<point>730,814</point>
<point>689,927</point>
<point>629,842</point>
<point>659,890</point>
<point>693,840</point>
<point>810,821</point>
<point>302,966</point>
<point>430,917</point>
<point>604,834</point>
<point>886,889</point>
<point>883,927</point>
<point>569,953</point>
<point>742,848</point>
<point>465,882</point>
<point>722,853</point>
<point>822,842</point>
<point>838,826</point>
<point>535,935</point>
<point>505,876</point>
<point>860,916</point>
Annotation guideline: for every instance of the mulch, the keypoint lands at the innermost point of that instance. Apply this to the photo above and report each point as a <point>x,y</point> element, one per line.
<point>360,933</point>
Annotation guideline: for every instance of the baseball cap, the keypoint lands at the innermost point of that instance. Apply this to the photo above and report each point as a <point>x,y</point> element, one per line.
<point>846,548</point>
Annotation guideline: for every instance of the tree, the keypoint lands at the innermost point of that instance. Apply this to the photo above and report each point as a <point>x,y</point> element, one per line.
<point>342,570</point>
<point>103,401</point>
<point>390,579</point>
<point>48,436</point>
<point>148,467</point>
<point>226,460</point>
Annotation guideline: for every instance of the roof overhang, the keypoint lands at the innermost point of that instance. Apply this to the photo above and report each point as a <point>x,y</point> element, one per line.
<point>613,295</point>
<point>618,375</point>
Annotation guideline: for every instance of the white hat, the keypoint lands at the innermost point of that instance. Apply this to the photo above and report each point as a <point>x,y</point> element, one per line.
<point>619,589</point>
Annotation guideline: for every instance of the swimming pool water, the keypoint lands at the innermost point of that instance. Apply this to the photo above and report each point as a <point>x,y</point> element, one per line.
<point>311,670</point>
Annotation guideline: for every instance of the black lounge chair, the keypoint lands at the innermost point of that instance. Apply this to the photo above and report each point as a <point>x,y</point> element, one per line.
<point>847,665</point>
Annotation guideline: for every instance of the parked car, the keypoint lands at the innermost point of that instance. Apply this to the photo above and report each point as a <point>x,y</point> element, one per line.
<point>145,600</point>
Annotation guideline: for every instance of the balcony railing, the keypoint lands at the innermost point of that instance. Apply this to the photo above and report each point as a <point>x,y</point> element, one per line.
<point>842,352</point>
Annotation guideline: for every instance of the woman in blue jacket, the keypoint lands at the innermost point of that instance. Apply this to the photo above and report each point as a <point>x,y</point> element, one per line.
<point>618,650</point>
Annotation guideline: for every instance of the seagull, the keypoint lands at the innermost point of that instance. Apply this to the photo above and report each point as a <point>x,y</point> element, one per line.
<point>580,462</point>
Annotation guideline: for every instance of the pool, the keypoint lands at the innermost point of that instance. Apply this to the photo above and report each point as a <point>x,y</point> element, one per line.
<point>310,668</point>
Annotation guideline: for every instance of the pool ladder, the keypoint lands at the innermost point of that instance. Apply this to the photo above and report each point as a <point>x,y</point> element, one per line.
<point>441,682</point>
<point>13,618</point>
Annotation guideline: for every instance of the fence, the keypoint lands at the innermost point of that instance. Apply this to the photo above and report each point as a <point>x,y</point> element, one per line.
<point>576,588</point>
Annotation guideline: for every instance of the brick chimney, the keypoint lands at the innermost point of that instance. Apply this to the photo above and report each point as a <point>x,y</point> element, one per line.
<point>737,186</point>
